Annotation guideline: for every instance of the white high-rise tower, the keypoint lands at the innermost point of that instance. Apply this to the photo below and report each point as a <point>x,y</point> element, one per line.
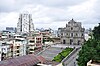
<point>25,24</point>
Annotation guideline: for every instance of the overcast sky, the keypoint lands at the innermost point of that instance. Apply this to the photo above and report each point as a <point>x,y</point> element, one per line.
<point>50,13</point>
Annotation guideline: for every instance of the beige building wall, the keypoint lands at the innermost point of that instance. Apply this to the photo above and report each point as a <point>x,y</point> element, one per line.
<point>72,34</point>
<point>92,64</point>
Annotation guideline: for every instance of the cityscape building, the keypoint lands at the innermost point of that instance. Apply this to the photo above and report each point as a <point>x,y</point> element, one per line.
<point>25,24</point>
<point>72,34</point>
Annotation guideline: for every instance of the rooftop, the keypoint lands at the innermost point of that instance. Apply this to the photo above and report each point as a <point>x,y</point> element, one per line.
<point>93,63</point>
<point>26,60</point>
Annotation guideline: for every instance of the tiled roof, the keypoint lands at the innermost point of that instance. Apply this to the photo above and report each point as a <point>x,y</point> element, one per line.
<point>26,60</point>
<point>43,60</point>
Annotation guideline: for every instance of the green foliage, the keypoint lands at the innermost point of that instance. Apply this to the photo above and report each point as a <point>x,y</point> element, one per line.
<point>62,55</point>
<point>96,32</point>
<point>91,49</point>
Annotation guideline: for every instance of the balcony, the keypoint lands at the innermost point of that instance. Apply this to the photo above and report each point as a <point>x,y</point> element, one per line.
<point>20,38</point>
<point>31,51</point>
<point>31,47</point>
<point>31,43</point>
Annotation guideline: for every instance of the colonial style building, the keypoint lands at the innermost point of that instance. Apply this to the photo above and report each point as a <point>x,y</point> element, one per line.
<point>25,24</point>
<point>72,34</point>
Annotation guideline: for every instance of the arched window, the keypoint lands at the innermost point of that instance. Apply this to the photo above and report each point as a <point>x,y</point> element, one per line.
<point>71,28</point>
<point>71,34</point>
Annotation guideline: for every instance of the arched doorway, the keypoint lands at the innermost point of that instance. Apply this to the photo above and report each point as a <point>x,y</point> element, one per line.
<point>71,41</point>
<point>64,41</point>
<point>78,42</point>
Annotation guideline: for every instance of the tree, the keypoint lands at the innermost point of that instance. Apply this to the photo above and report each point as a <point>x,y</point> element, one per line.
<point>88,52</point>
<point>96,32</point>
<point>91,49</point>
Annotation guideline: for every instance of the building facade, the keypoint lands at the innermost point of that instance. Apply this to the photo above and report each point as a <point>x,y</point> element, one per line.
<point>11,29</point>
<point>19,45</point>
<point>72,34</point>
<point>5,50</point>
<point>25,24</point>
<point>34,43</point>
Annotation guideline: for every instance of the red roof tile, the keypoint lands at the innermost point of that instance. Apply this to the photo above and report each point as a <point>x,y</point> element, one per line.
<point>26,60</point>
<point>43,60</point>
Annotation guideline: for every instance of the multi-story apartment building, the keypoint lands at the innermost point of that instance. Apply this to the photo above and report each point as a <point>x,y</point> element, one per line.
<point>12,45</point>
<point>5,34</point>
<point>72,34</point>
<point>34,43</point>
<point>19,46</point>
<point>11,29</point>
<point>31,45</point>
<point>46,34</point>
<point>25,24</point>
<point>5,50</point>
<point>39,42</point>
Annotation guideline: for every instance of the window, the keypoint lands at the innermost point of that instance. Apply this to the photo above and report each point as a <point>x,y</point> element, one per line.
<point>64,41</point>
<point>71,34</point>
<point>18,47</point>
<point>66,25</point>
<point>3,49</point>
<point>18,55</point>
<point>37,41</point>
<point>71,28</point>
<point>62,34</point>
<point>82,34</point>
<point>76,34</point>
<point>31,49</point>
<point>67,34</point>
<point>30,52</point>
<point>31,41</point>
<point>71,41</point>
<point>17,51</point>
<point>78,42</point>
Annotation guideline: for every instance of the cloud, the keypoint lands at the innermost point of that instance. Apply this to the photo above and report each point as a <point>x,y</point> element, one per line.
<point>8,19</point>
<point>50,13</point>
<point>59,3</point>
<point>13,5</point>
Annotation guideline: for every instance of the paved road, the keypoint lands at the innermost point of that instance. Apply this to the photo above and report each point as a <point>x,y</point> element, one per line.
<point>71,61</point>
